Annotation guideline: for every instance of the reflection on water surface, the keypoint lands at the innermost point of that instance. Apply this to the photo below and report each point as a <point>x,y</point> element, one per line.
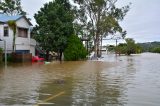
<point>114,81</point>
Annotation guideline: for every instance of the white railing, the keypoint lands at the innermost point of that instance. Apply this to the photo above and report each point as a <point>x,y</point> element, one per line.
<point>22,41</point>
<point>25,41</point>
<point>33,42</point>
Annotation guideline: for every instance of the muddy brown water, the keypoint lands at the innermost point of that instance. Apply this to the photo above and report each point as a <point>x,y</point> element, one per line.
<point>113,81</point>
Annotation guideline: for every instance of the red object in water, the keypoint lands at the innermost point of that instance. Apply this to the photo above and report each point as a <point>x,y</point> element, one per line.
<point>37,59</point>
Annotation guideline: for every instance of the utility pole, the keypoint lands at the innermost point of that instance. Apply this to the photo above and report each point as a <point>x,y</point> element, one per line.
<point>116,39</point>
<point>116,46</point>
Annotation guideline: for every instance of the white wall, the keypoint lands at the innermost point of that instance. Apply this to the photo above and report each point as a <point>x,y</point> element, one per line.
<point>8,39</point>
<point>21,43</point>
<point>32,50</point>
<point>22,23</point>
<point>1,31</point>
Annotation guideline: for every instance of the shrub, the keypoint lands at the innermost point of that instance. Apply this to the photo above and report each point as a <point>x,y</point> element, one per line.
<point>129,47</point>
<point>156,50</point>
<point>121,48</point>
<point>1,50</point>
<point>75,49</point>
<point>1,53</point>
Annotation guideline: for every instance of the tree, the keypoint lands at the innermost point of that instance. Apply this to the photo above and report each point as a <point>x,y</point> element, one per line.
<point>55,25</point>
<point>13,26</point>
<point>121,48</point>
<point>155,50</point>
<point>100,18</point>
<point>11,7</point>
<point>75,49</point>
<point>110,48</point>
<point>129,47</point>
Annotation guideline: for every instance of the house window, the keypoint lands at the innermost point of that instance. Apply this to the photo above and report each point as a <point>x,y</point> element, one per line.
<point>22,32</point>
<point>6,31</point>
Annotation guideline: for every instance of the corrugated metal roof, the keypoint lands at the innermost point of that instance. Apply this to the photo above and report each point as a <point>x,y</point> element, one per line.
<point>5,18</point>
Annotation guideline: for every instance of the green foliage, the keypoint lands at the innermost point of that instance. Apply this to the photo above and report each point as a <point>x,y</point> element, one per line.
<point>155,50</point>
<point>131,46</point>
<point>128,48</point>
<point>149,46</point>
<point>75,49</point>
<point>1,50</point>
<point>138,48</point>
<point>9,58</point>
<point>12,7</point>
<point>55,25</point>
<point>110,48</point>
<point>121,48</point>
<point>12,24</point>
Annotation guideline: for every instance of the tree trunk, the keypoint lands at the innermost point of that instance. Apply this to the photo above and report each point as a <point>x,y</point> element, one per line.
<point>60,57</point>
<point>101,46</point>
<point>13,46</point>
<point>97,44</point>
<point>98,48</point>
<point>47,55</point>
<point>98,33</point>
<point>95,47</point>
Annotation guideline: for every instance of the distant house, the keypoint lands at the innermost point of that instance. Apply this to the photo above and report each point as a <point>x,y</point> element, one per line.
<point>24,43</point>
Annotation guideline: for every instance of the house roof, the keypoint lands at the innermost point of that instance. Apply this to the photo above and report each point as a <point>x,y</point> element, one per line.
<point>5,18</point>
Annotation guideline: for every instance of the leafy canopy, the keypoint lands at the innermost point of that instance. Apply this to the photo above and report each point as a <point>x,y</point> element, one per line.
<point>11,7</point>
<point>54,25</point>
<point>1,50</point>
<point>75,49</point>
<point>130,47</point>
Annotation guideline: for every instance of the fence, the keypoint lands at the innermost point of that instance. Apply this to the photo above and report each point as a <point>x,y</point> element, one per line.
<point>22,57</point>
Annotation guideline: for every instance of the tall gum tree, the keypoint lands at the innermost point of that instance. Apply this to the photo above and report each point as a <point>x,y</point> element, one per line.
<point>99,18</point>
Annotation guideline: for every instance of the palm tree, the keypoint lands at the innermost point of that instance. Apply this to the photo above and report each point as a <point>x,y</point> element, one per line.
<point>12,24</point>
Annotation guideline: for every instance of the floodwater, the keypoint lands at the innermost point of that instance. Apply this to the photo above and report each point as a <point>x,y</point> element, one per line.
<point>113,81</point>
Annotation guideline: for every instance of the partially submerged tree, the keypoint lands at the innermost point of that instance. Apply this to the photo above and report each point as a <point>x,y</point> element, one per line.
<point>100,18</point>
<point>128,48</point>
<point>131,46</point>
<point>121,48</point>
<point>155,50</point>
<point>55,25</point>
<point>11,7</point>
<point>12,24</point>
<point>75,49</point>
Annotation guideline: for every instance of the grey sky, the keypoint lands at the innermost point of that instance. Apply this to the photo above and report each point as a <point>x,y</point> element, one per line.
<point>32,6</point>
<point>143,20</point>
<point>141,23</point>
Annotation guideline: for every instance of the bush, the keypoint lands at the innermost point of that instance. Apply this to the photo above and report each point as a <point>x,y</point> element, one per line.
<point>121,48</point>
<point>1,54</point>
<point>1,50</point>
<point>128,48</point>
<point>75,49</point>
<point>156,50</point>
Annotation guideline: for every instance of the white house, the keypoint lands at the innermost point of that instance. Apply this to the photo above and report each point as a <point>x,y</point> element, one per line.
<point>24,43</point>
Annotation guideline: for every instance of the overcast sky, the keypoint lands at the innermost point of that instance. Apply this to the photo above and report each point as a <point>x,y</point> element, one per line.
<point>142,22</point>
